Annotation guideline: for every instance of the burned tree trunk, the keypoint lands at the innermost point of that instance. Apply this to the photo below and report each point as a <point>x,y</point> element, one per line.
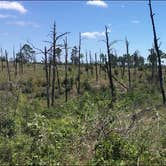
<point>54,66</point>
<point>47,78</point>
<point>2,59</point>
<point>66,67</point>
<point>87,66</point>
<point>96,67</point>
<point>14,63</point>
<point>79,64</point>
<point>109,66</point>
<point>7,65</point>
<point>58,79</point>
<point>158,54</point>
<point>128,64</point>
<point>91,65</point>
<point>123,66</point>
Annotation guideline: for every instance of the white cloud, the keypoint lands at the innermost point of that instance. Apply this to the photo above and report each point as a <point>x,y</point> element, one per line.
<point>92,35</point>
<point>135,21</point>
<point>7,16</point>
<point>99,3</point>
<point>24,23</point>
<point>7,5</point>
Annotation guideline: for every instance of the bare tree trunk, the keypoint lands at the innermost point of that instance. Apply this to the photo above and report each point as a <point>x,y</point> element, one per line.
<point>66,66</point>
<point>91,65</point>
<point>54,66</point>
<point>105,68</point>
<point>47,78</point>
<point>87,66</point>
<point>58,79</point>
<point>123,66</point>
<point>7,64</point>
<point>96,67</point>
<point>14,63</point>
<point>79,66</point>
<point>2,59</point>
<point>158,54</point>
<point>128,64</point>
<point>109,66</point>
<point>49,71</point>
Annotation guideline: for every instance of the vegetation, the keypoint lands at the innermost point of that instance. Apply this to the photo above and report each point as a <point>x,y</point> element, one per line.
<point>110,111</point>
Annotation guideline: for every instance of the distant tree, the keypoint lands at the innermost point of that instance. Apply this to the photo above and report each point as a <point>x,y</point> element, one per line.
<point>152,58</point>
<point>74,55</point>
<point>26,53</point>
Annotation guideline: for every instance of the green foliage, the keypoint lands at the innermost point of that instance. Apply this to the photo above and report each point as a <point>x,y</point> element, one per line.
<point>114,150</point>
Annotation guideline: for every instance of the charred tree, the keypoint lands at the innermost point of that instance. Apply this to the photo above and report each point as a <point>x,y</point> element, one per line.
<point>109,65</point>
<point>128,63</point>
<point>47,77</point>
<point>66,68</point>
<point>96,67</point>
<point>54,65</point>
<point>158,53</point>
<point>79,64</point>
<point>7,65</point>
<point>87,66</point>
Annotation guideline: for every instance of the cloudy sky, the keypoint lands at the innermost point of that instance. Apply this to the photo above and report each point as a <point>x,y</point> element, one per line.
<point>32,20</point>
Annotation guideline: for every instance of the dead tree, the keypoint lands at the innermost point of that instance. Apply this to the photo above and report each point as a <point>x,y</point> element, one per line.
<point>14,63</point>
<point>109,65</point>
<point>54,65</point>
<point>128,63</point>
<point>58,78</point>
<point>96,67</point>
<point>123,65</point>
<point>158,53</point>
<point>87,66</point>
<point>105,67</point>
<point>66,67</point>
<point>79,64</point>
<point>91,65</point>
<point>47,77</point>
<point>2,59</point>
<point>54,45</point>
<point>7,65</point>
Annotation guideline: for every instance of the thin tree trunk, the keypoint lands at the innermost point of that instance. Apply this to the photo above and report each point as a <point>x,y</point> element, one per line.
<point>91,65</point>
<point>58,79</point>
<point>109,66</point>
<point>87,66</point>
<point>123,66</point>
<point>158,54</point>
<point>47,78</point>
<point>14,63</point>
<point>79,66</point>
<point>128,64</point>
<point>2,59</point>
<point>7,65</point>
<point>66,66</point>
<point>96,67</point>
<point>54,66</point>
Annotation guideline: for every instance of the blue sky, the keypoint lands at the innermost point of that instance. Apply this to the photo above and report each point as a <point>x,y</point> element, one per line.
<point>33,20</point>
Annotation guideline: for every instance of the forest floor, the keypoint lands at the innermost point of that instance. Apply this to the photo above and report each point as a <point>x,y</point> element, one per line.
<point>85,130</point>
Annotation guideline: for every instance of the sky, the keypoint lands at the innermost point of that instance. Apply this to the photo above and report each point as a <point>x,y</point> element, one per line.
<point>23,21</point>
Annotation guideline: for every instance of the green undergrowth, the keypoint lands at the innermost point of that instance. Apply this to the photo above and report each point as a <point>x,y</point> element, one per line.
<point>84,130</point>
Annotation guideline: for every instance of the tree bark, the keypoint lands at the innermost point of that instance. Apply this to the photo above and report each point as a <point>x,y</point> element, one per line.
<point>158,54</point>
<point>7,64</point>
<point>47,77</point>
<point>109,66</point>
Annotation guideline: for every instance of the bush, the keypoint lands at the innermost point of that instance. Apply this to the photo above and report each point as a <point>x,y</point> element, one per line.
<point>114,150</point>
